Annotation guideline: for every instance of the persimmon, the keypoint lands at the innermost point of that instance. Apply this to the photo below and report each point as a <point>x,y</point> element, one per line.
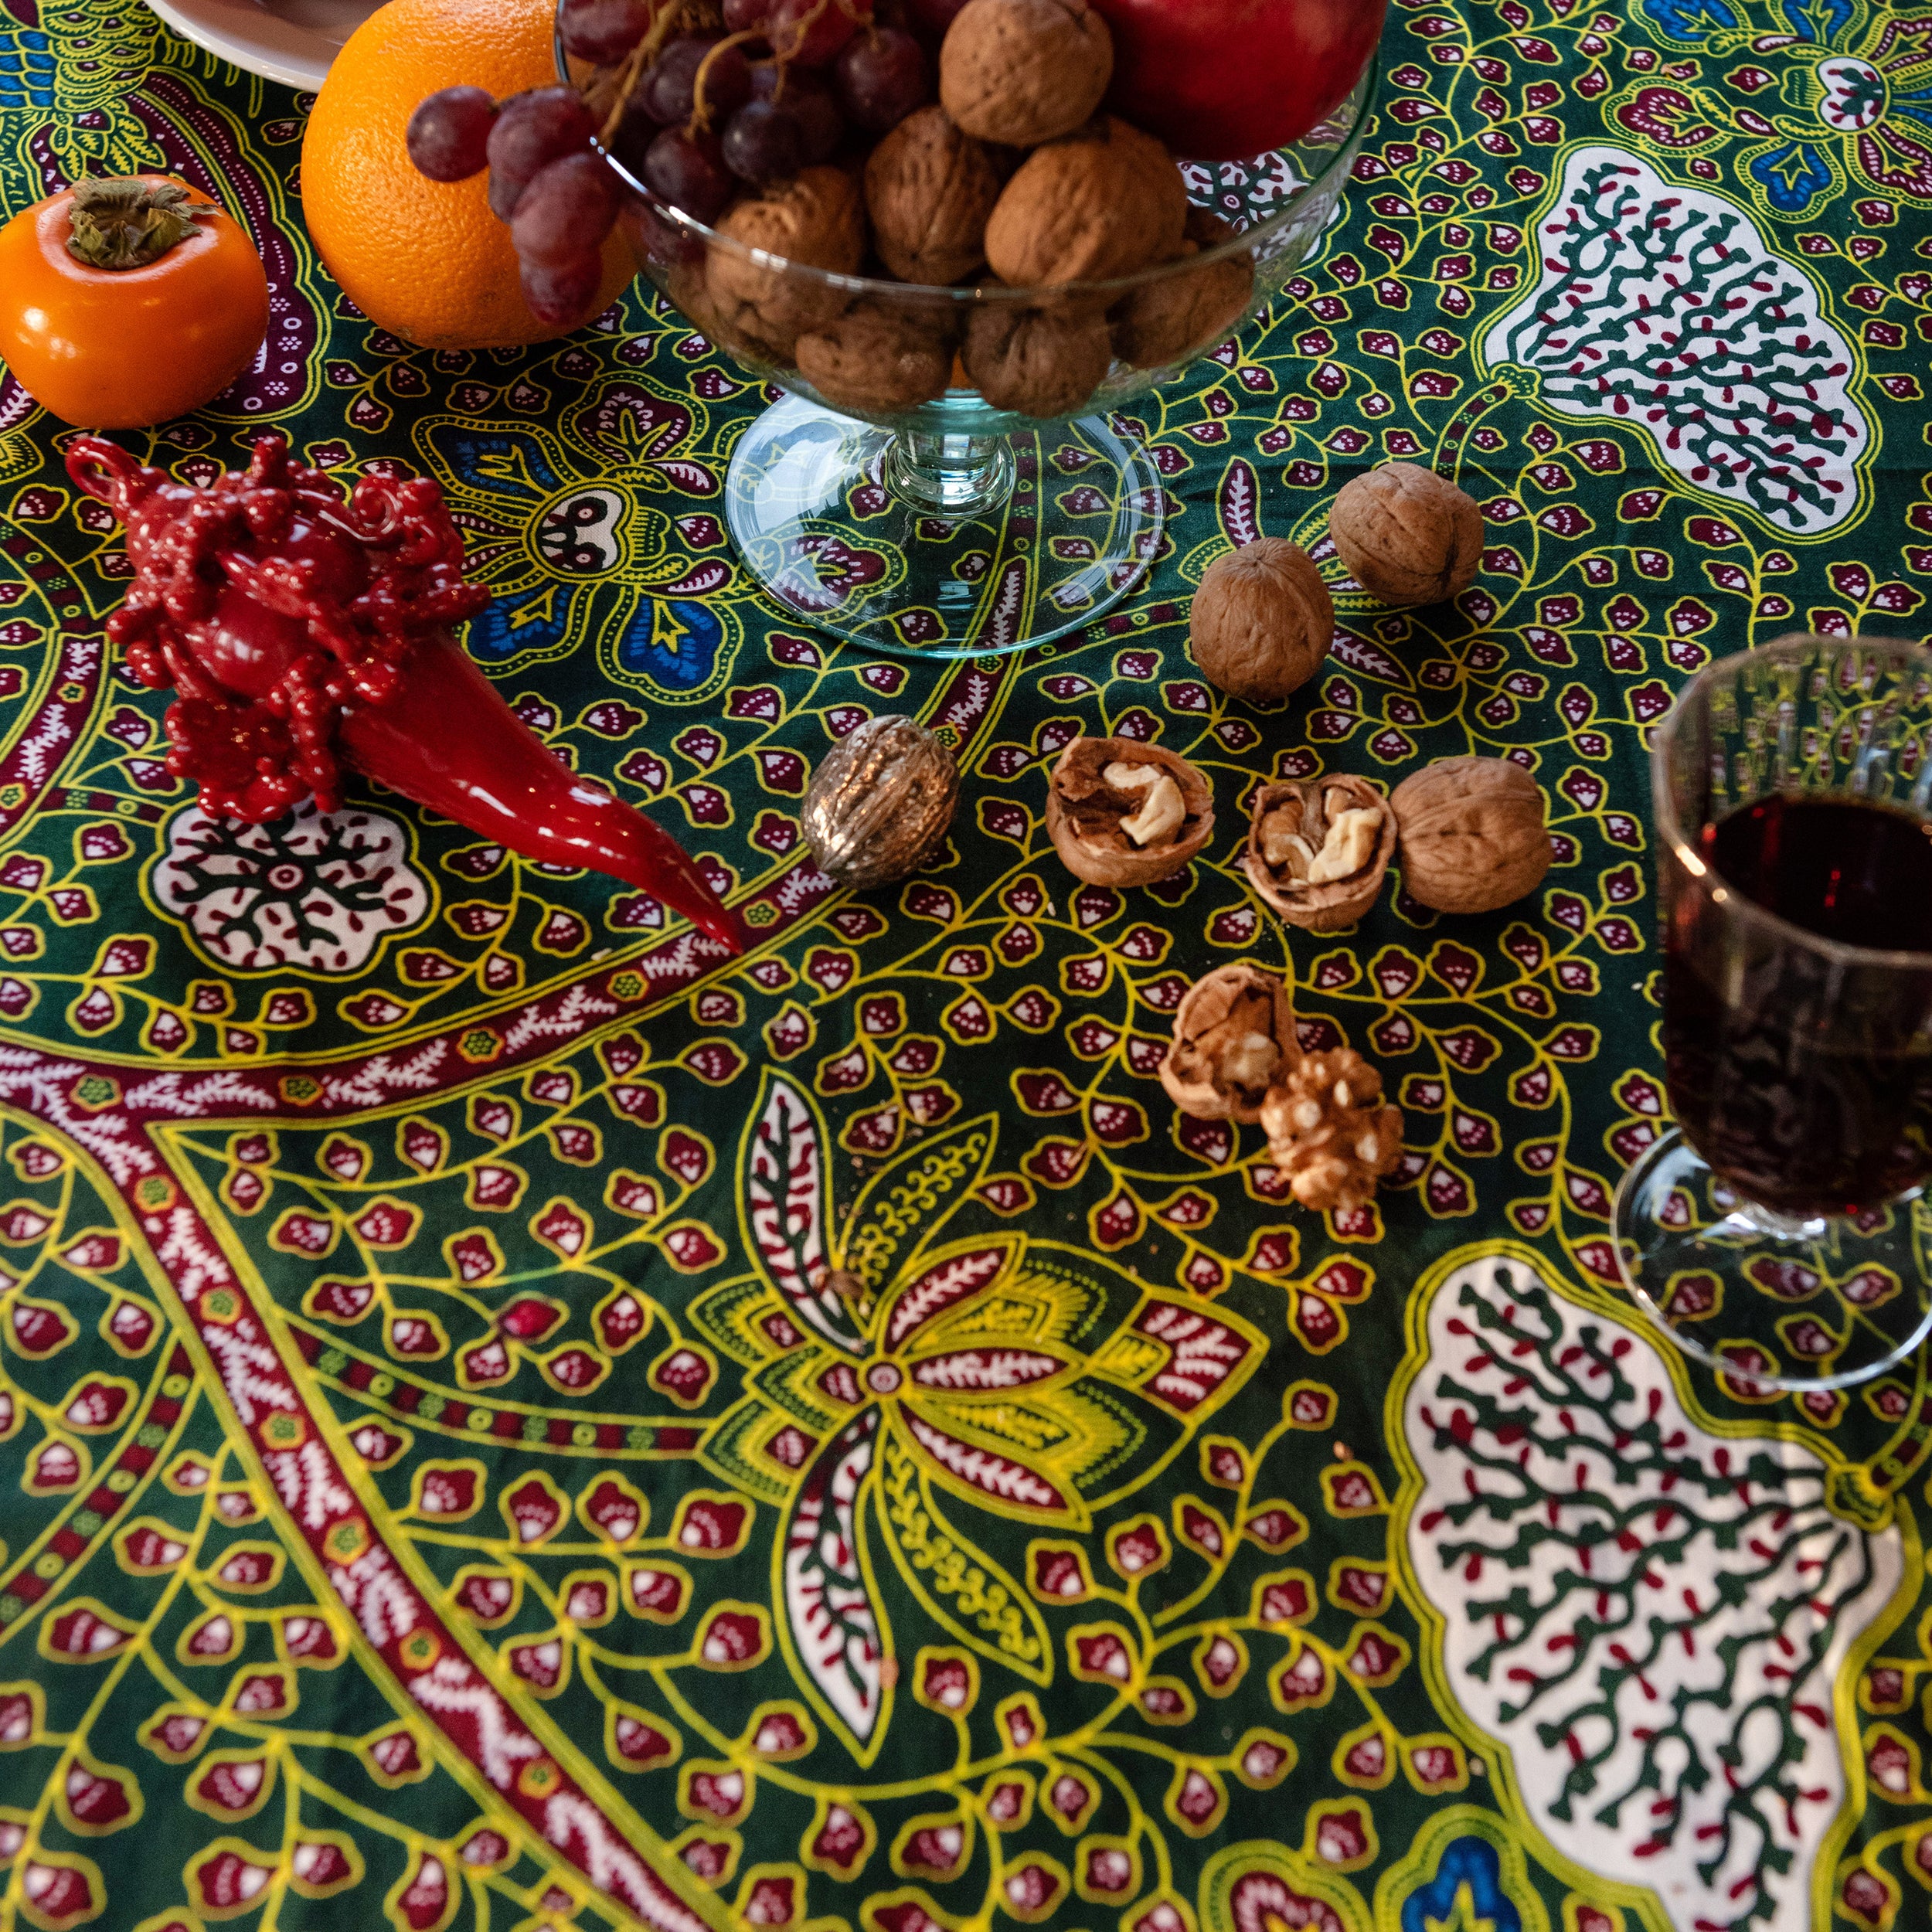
<point>126,302</point>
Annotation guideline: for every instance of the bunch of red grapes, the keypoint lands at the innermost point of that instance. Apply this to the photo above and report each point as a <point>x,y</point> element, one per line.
<point>786,85</point>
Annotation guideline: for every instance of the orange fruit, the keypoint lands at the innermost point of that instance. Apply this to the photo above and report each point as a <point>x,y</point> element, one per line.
<point>427,260</point>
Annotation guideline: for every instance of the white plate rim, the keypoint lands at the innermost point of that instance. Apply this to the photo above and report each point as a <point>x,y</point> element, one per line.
<point>252,38</point>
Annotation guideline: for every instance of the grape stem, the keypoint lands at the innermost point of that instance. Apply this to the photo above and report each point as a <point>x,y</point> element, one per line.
<point>700,121</point>
<point>669,21</point>
<point>803,26</point>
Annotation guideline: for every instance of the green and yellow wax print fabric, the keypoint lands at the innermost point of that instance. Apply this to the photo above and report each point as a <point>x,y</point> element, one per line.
<point>437,1486</point>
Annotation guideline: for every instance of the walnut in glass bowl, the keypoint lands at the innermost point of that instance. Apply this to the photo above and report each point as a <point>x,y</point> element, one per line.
<point>1319,849</point>
<point>1233,1039</point>
<point>1122,813</point>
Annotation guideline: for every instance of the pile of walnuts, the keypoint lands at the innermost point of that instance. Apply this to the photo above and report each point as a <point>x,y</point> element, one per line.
<point>1015,178</point>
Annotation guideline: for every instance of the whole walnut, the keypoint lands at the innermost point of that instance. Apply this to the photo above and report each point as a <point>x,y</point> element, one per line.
<point>930,188</point>
<point>876,360</point>
<point>1025,71</point>
<point>1263,620</point>
<point>1407,535</point>
<point>1183,313</point>
<point>1472,834</point>
<point>685,283</point>
<point>1034,361</point>
<point>1098,205</point>
<point>1233,1039</point>
<point>817,219</point>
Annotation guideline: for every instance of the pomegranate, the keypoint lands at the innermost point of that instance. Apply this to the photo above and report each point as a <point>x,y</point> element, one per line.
<point>1221,80</point>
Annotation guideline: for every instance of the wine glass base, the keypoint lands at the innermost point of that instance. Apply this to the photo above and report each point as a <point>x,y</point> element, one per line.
<point>1771,1302</point>
<point>942,546</point>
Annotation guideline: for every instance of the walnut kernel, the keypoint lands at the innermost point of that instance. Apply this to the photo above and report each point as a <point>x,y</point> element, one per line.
<point>1330,1132</point>
<point>1263,620</point>
<point>1407,535</point>
<point>1025,71</point>
<point>1472,833</point>
<point>1319,849</point>
<point>1122,813</point>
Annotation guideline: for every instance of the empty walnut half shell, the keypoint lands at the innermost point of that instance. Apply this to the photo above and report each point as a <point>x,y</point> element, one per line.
<point>1319,848</point>
<point>1121,813</point>
<point>1233,1039</point>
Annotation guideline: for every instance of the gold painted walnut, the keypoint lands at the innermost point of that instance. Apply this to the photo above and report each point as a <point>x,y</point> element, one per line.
<point>1330,1131</point>
<point>1319,849</point>
<point>1122,813</point>
<point>1472,834</point>
<point>1233,1039</point>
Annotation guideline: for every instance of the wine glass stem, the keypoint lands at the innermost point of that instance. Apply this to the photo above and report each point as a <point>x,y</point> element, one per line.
<point>952,477</point>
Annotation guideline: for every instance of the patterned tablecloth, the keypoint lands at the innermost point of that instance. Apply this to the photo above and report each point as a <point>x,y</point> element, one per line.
<point>433,1491</point>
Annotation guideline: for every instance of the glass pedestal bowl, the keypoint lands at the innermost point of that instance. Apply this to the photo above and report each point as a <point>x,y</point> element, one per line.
<point>889,498</point>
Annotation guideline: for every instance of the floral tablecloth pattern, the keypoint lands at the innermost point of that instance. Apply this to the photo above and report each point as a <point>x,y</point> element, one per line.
<point>438,1487</point>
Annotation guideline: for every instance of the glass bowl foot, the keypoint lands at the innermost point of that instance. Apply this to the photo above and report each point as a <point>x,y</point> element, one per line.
<point>1771,1302</point>
<point>930,545</point>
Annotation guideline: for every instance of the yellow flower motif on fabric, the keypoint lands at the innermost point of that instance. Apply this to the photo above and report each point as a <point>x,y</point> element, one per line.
<point>896,1375</point>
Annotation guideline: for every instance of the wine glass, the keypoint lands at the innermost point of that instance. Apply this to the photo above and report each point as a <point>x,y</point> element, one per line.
<point>1779,1233</point>
<point>951,526</point>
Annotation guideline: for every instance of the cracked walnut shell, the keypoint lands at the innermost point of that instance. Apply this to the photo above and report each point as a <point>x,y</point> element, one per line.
<point>1330,1132</point>
<point>1319,849</point>
<point>1096,205</point>
<point>930,190</point>
<point>1472,834</point>
<point>1407,535</point>
<point>1233,1039</point>
<point>1021,72</point>
<point>1122,813</point>
<point>1263,620</point>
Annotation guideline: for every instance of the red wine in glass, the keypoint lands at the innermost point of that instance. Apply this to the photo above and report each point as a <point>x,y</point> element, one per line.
<point>1804,1108</point>
<point>1780,1231</point>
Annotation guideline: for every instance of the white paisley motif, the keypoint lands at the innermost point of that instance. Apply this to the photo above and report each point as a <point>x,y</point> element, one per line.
<point>1662,308</point>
